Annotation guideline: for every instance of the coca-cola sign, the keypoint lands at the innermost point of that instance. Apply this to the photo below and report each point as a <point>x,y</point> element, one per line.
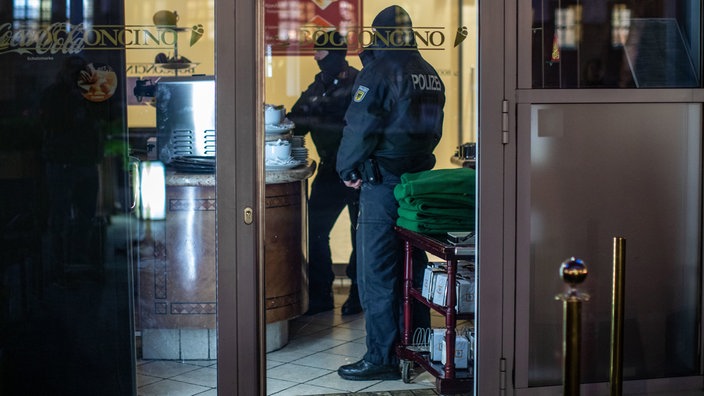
<point>65,38</point>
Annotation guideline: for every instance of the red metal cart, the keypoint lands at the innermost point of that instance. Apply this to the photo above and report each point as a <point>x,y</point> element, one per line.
<point>448,380</point>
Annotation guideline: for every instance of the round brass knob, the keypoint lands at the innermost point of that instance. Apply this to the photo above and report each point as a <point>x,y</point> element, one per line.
<point>573,271</point>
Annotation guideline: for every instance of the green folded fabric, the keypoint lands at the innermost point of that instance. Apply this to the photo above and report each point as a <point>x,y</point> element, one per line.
<point>434,228</point>
<point>430,213</point>
<point>438,201</point>
<point>458,181</point>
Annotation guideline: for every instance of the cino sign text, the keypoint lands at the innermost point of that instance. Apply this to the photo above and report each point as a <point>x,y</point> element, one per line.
<point>302,39</point>
<point>66,38</point>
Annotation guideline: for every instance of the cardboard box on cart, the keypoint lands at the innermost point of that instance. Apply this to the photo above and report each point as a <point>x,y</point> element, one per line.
<point>464,294</point>
<point>431,271</point>
<point>437,346</point>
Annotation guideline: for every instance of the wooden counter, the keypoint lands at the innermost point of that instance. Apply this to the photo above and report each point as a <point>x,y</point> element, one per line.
<point>285,243</point>
<point>177,261</point>
<point>177,272</point>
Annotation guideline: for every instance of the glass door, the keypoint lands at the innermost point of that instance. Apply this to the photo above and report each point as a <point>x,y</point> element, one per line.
<point>311,53</point>
<point>592,165</point>
<point>66,276</point>
<point>108,281</point>
<point>170,81</point>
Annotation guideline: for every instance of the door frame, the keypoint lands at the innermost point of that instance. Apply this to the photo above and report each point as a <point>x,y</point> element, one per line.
<point>518,87</point>
<point>240,178</point>
<point>494,292</point>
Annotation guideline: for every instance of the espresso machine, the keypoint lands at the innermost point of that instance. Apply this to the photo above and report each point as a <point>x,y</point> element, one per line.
<point>185,121</point>
<point>466,156</point>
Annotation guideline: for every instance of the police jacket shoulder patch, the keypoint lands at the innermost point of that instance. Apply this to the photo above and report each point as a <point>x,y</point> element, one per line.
<point>361,93</point>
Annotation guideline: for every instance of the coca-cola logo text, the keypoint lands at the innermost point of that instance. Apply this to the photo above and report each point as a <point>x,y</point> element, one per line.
<point>64,38</point>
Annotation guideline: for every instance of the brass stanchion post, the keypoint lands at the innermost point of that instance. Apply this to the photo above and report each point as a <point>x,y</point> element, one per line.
<point>617,308</point>
<point>573,271</point>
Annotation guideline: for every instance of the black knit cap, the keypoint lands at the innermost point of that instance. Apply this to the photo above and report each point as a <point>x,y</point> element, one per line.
<point>334,62</point>
<point>330,41</point>
<point>391,18</point>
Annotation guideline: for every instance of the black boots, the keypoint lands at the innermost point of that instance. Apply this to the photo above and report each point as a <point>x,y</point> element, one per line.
<point>315,307</point>
<point>322,302</point>
<point>319,301</point>
<point>365,371</point>
<point>352,305</point>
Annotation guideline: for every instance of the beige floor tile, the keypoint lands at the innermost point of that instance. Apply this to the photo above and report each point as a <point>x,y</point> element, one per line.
<point>306,365</point>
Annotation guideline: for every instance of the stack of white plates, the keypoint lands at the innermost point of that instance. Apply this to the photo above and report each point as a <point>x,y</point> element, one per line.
<point>285,126</point>
<point>272,137</point>
<point>299,153</point>
<point>298,141</point>
<point>282,164</point>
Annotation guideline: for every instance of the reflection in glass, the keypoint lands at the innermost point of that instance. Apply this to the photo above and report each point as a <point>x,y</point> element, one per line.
<point>621,44</point>
<point>65,274</point>
<point>651,151</point>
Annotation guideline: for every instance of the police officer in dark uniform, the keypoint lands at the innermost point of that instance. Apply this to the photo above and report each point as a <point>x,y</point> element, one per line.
<point>393,125</point>
<point>321,110</point>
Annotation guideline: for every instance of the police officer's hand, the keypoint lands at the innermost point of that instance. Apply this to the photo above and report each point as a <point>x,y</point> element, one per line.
<point>353,183</point>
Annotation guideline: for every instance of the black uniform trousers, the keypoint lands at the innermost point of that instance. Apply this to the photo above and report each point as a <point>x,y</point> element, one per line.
<point>328,198</point>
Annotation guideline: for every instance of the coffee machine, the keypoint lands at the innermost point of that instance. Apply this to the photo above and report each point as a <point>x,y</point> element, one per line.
<point>185,122</point>
<point>466,155</point>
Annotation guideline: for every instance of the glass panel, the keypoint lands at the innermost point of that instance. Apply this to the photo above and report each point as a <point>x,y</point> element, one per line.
<point>65,273</point>
<point>310,214</point>
<point>171,119</point>
<point>108,248</point>
<point>617,44</point>
<point>650,151</point>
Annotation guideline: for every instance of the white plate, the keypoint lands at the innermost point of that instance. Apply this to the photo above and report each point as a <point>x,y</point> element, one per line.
<point>278,128</point>
<point>272,137</point>
<point>291,163</point>
<point>297,144</point>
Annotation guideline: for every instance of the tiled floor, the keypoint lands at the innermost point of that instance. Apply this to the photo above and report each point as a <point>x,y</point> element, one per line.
<point>187,378</point>
<point>320,344</point>
<point>307,365</point>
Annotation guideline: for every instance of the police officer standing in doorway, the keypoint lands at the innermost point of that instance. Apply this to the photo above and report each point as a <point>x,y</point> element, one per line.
<point>393,125</point>
<point>320,110</point>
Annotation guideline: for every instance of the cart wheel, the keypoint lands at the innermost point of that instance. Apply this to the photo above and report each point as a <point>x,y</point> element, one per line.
<point>406,370</point>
